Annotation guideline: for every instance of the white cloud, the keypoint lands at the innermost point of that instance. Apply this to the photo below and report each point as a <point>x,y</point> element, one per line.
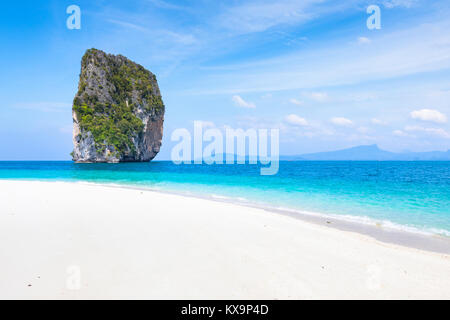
<point>295,120</point>
<point>363,130</point>
<point>343,122</point>
<point>439,132</point>
<point>364,40</point>
<point>296,102</point>
<point>378,122</point>
<point>166,5</point>
<point>179,38</point>
<point>45,106</point>
<point>400,133</point>
<point>295,40</point>
<point>361,97</point>
<point>128,25</point>
<point>399,3</point>
<point>429,115</point>
<point>259,16</point>
<point>316,96</point>
<point>432,131</point>
<point>168,35</point>
<point>242,103</point>
<point>414,50</point>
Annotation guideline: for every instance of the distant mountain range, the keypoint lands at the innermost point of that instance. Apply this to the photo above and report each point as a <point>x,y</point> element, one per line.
<point>370,153</point>
<point>359,153</point>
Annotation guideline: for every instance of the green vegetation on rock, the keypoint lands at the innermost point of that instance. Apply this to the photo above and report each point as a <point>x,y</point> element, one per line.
<point>112,125</point>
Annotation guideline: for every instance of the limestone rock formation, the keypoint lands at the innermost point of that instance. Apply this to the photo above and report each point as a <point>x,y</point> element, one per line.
<point>118,112</point>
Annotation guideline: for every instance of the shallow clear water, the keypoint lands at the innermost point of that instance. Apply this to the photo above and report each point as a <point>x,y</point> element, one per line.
<point>407,194</point>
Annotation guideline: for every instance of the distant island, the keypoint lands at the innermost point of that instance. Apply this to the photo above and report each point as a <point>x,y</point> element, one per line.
<point>359,153</point>
<point>370,153</point>
<point>118,112</point>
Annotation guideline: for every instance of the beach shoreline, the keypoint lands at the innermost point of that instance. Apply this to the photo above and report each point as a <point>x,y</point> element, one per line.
<point>230,245</point>
<point>390,234</point>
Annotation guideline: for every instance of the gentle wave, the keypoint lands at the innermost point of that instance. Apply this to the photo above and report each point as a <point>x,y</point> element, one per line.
<point>364,220</point>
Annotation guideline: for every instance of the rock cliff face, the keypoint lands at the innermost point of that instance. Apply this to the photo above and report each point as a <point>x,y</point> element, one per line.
<point>118,112</point>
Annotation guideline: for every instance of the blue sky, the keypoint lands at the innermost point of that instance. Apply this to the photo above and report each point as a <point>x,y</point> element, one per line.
<point>310,68</point>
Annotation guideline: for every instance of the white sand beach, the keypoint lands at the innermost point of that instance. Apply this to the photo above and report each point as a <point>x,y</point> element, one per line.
<point>79,241</point>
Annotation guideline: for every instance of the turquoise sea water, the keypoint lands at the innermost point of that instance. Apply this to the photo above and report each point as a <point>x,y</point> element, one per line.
<point>411,195</point>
